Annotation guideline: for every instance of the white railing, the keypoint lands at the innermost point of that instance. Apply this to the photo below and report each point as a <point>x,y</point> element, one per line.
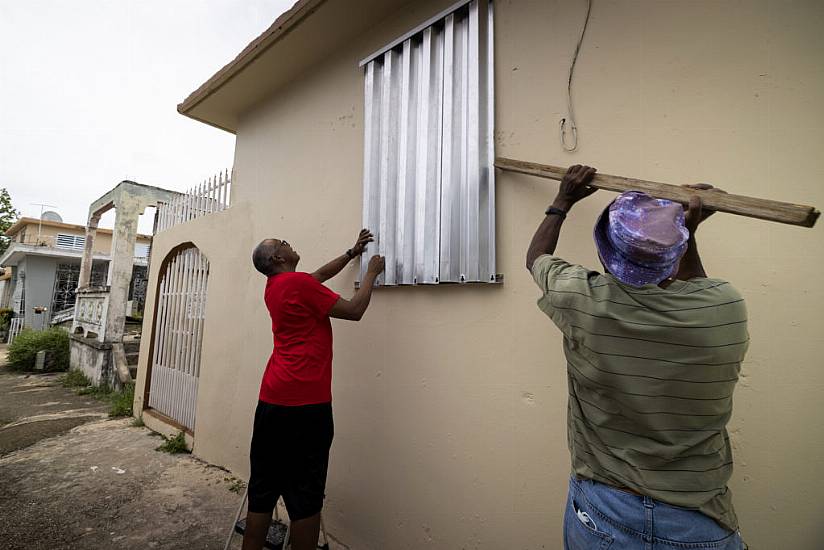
<point>63,315</point>
<point>15,328</point>
<point>212,195</point>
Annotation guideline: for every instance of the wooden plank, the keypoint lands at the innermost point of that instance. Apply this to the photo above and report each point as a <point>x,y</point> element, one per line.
<point>764,209</point>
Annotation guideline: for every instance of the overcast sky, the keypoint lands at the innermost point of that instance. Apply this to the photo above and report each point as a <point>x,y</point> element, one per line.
<point>89,90</point>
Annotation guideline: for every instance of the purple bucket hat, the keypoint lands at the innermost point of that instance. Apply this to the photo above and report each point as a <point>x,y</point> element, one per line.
<point>641,239</point>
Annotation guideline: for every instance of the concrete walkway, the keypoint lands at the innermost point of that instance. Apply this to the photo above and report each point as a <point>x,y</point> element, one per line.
<point>71,478</point>
<point>35,407</point>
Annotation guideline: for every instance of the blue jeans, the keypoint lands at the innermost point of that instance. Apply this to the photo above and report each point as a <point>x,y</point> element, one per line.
<point>601,517</point>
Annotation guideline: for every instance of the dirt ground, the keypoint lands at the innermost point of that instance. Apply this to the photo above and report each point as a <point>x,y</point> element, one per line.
<point>71,478</point>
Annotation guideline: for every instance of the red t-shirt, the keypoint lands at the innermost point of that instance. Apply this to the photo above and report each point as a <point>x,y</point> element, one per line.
<point>299,371</point>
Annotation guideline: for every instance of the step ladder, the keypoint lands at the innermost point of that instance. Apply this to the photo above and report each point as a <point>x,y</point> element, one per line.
<point>278,536</point>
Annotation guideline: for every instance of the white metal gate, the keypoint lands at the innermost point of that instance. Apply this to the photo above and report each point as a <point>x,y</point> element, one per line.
<point>178,335</point>
<point>14,328</point>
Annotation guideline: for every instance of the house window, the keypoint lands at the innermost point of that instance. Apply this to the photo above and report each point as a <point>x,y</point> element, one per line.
<point>141,250</point>
<point>429,188</point>
<point>66,277</point>
<point>73,242</point>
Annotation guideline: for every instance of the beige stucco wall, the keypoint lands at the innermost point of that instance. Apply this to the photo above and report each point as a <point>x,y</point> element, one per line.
<point>450,402</point>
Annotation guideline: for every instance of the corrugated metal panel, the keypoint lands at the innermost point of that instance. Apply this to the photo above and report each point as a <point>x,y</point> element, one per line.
<point>429,190</point>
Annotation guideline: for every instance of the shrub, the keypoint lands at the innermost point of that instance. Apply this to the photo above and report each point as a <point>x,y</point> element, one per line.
<point>122,401</point>
<point>55,342</point>
<point>5,317</point>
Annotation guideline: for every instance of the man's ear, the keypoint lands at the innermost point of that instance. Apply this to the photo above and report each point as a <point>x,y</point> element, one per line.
<point>278,259</point>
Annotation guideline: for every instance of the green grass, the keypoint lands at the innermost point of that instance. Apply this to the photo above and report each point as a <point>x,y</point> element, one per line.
<point>174,445</point>
<point>122,401</point>
<point>138,422</point>
<point>98,392</point>
<point>235,484</point>
<point>75,379</point>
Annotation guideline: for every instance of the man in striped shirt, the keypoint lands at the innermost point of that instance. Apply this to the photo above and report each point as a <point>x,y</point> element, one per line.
<point>653,349</point>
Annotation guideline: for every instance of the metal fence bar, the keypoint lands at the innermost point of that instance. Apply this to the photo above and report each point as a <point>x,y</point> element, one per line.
<point>190,297</point>
<point>14,328</point>
<point>202,287</point>
<point>224,201</point>
<point>211,195</point>
<point>214,182</point>
<point>195,314</point>
<point>180,321</point>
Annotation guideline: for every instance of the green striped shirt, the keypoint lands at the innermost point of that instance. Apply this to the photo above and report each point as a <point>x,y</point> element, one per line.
<point>651,374</point>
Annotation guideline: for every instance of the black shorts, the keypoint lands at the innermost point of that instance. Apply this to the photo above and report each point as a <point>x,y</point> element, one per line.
<point>289,458</point>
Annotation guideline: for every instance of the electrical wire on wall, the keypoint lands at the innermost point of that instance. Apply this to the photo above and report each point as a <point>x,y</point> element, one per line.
<point>573,129</point>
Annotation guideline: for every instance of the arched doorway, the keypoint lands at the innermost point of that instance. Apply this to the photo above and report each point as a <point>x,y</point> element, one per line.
<point>177,336</point>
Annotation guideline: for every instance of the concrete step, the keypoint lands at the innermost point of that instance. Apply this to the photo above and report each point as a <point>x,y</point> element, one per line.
<point>131,346</point>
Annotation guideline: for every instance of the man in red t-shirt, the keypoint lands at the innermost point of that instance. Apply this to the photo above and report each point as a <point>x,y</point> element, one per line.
<point>293,426</point>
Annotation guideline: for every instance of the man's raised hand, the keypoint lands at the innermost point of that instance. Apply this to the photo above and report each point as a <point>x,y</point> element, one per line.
<point>364,238</point>
<point>575,186</point>
<point>376,265</point>
<point>696,213</point>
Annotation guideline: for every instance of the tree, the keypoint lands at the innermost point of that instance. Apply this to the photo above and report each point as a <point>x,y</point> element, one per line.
<point>8,215</point>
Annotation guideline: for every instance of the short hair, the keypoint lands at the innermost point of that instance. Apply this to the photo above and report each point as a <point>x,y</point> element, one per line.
<point>263,255</point>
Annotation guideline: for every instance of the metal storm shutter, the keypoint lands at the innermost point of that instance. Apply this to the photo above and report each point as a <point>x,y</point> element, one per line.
<point>429,188</point>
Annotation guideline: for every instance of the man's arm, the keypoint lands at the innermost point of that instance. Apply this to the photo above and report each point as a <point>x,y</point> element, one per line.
<point>691,266</point>
<point>334,267</point>
<point>574,187</point>
<point>353,310</point>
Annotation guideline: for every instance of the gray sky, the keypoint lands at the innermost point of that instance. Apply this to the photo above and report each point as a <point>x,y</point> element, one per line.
<point>89,89</point>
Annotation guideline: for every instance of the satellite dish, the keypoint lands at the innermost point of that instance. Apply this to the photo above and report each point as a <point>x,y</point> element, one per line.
<point>51,216</point>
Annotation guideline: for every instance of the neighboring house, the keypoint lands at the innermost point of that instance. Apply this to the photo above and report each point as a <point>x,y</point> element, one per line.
<point>44,257</point>
<point>450,398</point>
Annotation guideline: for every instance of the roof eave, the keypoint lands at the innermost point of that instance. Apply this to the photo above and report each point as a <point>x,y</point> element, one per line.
<point>15,229</point>
<point>300,39</point>
<point>277,30</point>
